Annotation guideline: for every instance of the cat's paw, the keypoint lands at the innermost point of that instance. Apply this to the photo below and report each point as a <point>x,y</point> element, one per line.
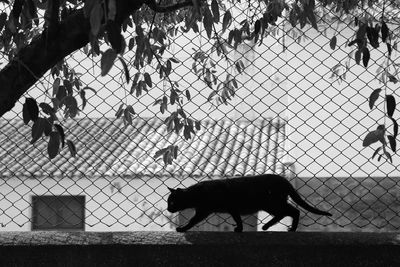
<point>290,229</point>
<point>180,229</point>
<point>238,229</point>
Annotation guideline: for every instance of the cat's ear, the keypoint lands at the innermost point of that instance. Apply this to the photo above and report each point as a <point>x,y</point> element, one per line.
<point>171,189</point>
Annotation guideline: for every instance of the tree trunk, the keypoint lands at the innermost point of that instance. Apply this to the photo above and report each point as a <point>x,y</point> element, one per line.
<point>34,60</point>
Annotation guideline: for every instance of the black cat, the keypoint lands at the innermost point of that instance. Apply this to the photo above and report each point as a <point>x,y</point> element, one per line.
<point>240,196</point>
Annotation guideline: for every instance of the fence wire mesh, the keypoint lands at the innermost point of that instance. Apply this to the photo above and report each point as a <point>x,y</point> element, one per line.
<point>300,110</point>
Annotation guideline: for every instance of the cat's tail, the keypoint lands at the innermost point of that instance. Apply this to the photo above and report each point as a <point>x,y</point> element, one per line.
<point>299,201</point>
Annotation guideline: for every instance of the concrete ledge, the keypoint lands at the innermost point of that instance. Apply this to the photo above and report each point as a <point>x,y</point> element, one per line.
<point>199,249</point>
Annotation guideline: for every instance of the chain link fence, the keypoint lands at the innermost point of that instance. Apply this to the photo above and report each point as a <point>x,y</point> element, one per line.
<point>300,110</point>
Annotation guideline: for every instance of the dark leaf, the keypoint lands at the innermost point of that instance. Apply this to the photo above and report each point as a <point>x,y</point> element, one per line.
<point>376,152</point>
<point>47,126</point>
<point>392,142</point>
<point>38,129</point>
<point>389,48</point>
<point>215,11</point>
<point>130,109</point>
<point>61,93</point>
<point>147,79</point>
<point>83,97</point>
<point>357,56</point>
<point>159,153</point>
<point>186,132</point>
<point>166,155</point>
<point>208,21</point>
<point>188,95</point>
<point>128,117</point>
<point>373,36</point>
<point>373,97</point>
<point>197,125</point>
<point>257,27</point>
<point>120,111</point>
<point>126,71</point>
<point>366,56</point>
<point>60,130</point>
<point>353,42</point>
<point>168,68</point>
<point>392,78</point>
<point>311,18</point>
<point>46,108</point>
<point>131,43</point>
<point>68,87</point>
<point>25,114</point>
<point>56,86</point>
<point>71,106</point>
<point>174,60</point>
<point>139,88</point>
<point>293,15</point>
<point>333,42</point>
<point>362,30</point>
<point>387,154</point>
<point>56,103</point>
<point>395,127</point>
<point>226,21</point>
<point>235,84</point>
<point>173,97</point>
<point>384,31</point>
<point>211,96</point>
<point>3,19</point>
<point>71,148</point>
<point>390,105</point>
<point>107,61</point>
<point>182,113</point>
<point>135,78</point>
<point>30,110</point>
<point>374,136</point>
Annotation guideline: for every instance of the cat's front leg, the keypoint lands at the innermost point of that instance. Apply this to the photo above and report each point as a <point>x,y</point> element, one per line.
<point>198,217</point>
<point>239,225</point>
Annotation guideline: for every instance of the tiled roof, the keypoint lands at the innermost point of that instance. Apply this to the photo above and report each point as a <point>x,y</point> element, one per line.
<point>105,147</point>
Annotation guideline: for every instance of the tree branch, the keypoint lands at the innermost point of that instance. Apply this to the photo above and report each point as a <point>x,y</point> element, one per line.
<point>163,9</point>
<point>34,60</point>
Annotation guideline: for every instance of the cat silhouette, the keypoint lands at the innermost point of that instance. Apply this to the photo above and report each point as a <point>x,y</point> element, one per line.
<point>240,196</point>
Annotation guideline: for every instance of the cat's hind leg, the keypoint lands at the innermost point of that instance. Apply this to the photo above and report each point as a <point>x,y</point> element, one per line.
<point>285,210</point>
<point>198,217</point>
<point>295,214</point>
<point>273,221</point>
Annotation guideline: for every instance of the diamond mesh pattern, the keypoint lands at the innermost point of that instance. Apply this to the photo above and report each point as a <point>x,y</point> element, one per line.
<point>288,117</point>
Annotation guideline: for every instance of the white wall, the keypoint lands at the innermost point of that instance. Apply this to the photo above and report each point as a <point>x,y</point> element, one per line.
<point>107,209</point>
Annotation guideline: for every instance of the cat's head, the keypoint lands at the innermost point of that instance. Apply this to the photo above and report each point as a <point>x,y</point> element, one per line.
<point>176,200</point>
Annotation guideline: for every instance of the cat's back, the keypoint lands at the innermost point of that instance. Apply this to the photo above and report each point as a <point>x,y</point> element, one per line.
<point>241,183</point>
<point>235,184</point>
<point>264,180</point>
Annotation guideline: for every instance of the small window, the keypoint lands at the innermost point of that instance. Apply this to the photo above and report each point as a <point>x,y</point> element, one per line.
<point>58,213</point>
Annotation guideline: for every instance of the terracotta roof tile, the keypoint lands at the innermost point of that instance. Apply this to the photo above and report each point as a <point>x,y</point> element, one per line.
<point>107,148</point>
